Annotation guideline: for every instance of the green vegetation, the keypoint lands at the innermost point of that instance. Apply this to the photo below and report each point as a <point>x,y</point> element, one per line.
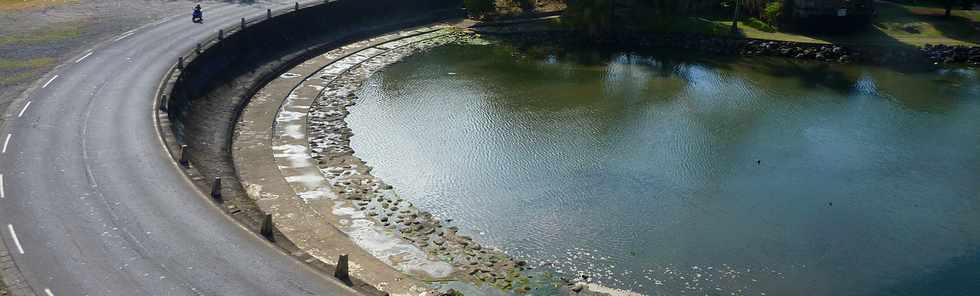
<point>17,71</point>
<point>62,32</point>
<point>591,17</point>
<point>773,13</point>
<point>607,18</point>
<point>477,8</point>
<point>9,65</point>
<point>760,25</point>
<point>894,25</point>
<point>8,5</point>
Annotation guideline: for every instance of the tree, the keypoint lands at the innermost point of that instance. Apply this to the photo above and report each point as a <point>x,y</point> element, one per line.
<point>590,16</point>
<point>479,8</point>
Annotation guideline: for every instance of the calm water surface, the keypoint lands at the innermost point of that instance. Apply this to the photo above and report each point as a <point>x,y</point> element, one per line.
<point>690,176</point>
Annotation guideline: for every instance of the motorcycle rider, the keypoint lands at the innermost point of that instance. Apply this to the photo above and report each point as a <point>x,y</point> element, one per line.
<point>197,16</point>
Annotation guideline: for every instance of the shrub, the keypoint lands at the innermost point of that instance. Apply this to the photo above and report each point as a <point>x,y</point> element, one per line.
<point>967,4</point>
<point>479,7</point>
<point>760,25</point>
<point>525,5</point>
<point>773,13</point>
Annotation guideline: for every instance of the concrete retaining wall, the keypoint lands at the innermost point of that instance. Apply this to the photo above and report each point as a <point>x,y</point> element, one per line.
<point>265,41</point>
<point>201,98</point>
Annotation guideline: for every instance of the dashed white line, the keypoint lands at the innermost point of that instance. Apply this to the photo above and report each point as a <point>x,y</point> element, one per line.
<point>48,292</point>
<point>127,34</point>
<point>13,235</point>
<point>2,195</point>
<point>79,60</point>
<point>23,109</point>
<point>5,142</point>
<point>49,81</point>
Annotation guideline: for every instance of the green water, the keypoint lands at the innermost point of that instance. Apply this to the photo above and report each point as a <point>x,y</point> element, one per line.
<point>673,174</point>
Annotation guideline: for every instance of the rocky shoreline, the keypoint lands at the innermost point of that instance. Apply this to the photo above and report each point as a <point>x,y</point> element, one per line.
<point>958,55</point>
<point>364,196</point>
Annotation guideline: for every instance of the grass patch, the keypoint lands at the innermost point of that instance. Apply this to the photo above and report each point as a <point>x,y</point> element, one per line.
<point>11,5</point>
<point>691,25</point>
<point>63,32</point>
<point>11,65</point>
<point>895,25</point>
<point>7,80</point>
<point>760,25</point>
<point>18,71</point>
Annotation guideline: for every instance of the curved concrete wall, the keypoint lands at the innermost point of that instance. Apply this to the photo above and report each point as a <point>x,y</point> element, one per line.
<point>291,36</point>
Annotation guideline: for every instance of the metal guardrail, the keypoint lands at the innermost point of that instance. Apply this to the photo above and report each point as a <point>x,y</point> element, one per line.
<point>180,153</point>
<point>172,75</point>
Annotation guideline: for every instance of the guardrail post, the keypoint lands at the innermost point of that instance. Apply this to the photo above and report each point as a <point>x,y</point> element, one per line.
<point>342,272</point>
<point>216,190</point>
<point>198,48</point>
<point>180,63</point>
<point>221,34</point>
<point>163,103</point>
<point>268,13</point>
<point>184,154</point>
<point>297,6</point>
<point>243,23</point>
<point>266,230</point>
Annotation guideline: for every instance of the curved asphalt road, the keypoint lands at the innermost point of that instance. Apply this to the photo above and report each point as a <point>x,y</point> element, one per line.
<point>99,209</point>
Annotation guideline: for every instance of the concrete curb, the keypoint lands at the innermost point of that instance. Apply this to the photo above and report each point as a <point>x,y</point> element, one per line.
<point>174,85</point>
<point>14,281</point>
<point>265,177</point>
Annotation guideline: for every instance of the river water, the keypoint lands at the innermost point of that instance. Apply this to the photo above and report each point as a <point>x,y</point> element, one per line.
<point>667,173</point>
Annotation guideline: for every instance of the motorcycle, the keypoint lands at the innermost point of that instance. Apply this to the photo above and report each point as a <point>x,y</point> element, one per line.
<point>197,16</point>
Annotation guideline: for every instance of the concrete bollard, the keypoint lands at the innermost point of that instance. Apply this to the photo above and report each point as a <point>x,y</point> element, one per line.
<point>184,154</point>
<point>180,63</point>
<point>216,190</point>
<point>266,230</point>
<point>342,272</point>
<point>268,13</point>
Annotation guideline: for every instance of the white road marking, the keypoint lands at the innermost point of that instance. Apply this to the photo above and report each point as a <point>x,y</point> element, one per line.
<point>127,34</point>
<point>23,109</point>
<point>83,57</point>
<point>13,234</point>
<point>5,142</point>
<point>48,292</point>
<point>2,195</point>
<point>49,81</point>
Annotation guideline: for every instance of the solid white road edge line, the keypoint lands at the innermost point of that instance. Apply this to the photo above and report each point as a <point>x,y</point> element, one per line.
<point>23,109</point>
<point>83,57</point>
<point>49,81</point>
<point>13,234</point>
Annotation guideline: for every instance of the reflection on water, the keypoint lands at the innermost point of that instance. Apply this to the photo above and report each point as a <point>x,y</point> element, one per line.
<point>674,175</point>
